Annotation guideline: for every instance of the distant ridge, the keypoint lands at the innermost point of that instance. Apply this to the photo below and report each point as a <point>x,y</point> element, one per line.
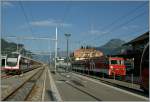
<point>112,47</point>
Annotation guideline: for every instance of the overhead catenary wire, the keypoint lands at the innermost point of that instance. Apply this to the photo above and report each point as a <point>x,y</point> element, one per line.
<point>60,24</point>
<point>125,15</point>
<point>117,27</point>
<point>130,20</point>
<point>30,15</point>
<point>122,24</point>
<point>26,17</point>
<point>28,21</point>
<point>130,37</point>
<point>111,25</point>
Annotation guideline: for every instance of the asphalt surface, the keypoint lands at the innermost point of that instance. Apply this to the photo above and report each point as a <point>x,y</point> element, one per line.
<point>72,87</point>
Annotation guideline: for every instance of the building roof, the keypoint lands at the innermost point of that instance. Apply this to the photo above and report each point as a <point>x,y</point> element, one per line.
<point>87,53</point>
<point>142,37</point>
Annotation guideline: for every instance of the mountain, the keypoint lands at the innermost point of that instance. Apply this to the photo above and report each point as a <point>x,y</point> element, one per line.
<point>8,47</point>
<point>112,47</point>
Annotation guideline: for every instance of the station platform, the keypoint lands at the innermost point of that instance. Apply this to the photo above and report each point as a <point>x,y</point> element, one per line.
<point>133,86</point>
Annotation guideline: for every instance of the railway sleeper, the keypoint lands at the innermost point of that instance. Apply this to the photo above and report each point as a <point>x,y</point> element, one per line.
<point>23,91</point>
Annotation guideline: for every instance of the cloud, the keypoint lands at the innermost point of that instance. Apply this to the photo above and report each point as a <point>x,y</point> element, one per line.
<point>7,4</point>
<point>50,22</point>
<point>97,32</point>
<point>94,32</point>
<point>130,27</point>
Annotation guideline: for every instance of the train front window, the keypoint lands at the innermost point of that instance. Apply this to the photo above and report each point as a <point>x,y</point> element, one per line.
<point>114,62</point>
<point>12,59</point>
<point>120,62</point>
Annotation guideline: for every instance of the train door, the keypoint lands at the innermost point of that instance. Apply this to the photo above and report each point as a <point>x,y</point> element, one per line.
<point>3,63</point>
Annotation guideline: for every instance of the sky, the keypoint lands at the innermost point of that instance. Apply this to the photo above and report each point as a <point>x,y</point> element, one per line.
<point>89,22</point>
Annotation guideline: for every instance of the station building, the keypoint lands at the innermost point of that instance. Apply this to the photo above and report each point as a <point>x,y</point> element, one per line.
<point>138,44</point>
<point>86,53</point>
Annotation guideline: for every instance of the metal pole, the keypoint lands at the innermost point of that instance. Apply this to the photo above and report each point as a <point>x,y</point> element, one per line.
<point>132,71</point>
<point>50,60</point>
<point>50,54</point>
<point>67,54</point>
<point>56,50</point>
<point>67,37</point>
<point>132,79</point>
<point>114,75</point>
<point>17,46</point>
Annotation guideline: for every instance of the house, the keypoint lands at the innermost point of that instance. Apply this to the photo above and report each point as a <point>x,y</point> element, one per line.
<point>86,53</point>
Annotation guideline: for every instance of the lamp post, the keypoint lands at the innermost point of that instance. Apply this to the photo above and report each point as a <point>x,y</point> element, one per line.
<point>58,53</point>
<point>67,37</point>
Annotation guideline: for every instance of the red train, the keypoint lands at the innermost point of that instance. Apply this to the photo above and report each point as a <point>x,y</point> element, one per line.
<point>106,65</point>
<point>17,64</point>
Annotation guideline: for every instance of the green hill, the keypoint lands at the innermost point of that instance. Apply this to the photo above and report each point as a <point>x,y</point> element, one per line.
<point>8,47</point>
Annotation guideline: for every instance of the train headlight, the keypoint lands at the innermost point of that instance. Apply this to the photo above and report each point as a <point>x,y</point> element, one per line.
<point>111,67</point>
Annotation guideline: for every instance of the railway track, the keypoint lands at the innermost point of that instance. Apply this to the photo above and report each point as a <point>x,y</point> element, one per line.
<point>22,92</point>
<point>5,76</point>
<point>142,93</point>
<point>90,88</point>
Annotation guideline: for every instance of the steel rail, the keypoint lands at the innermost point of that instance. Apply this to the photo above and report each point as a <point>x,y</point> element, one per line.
<point>115,85</point>
<point>28,86</point>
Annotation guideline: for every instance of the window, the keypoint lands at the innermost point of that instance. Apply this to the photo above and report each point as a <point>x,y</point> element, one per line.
<point>12,59</point>
<point>113,62</point>
<point>120,62</point>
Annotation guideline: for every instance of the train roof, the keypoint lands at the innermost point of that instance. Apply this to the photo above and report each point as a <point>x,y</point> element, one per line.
<point>29,58</point>
<point>25,57</point>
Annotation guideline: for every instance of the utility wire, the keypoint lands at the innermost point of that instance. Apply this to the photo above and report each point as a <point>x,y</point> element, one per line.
<point>124,16</point>
<point>26,17</point>
<point>120,18</point>
<point>68,7</point>
<point>121,25</point>
<point>32,18</point>
<point>130,20</point>
<point>133,36</point>
<point>67,10</point>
